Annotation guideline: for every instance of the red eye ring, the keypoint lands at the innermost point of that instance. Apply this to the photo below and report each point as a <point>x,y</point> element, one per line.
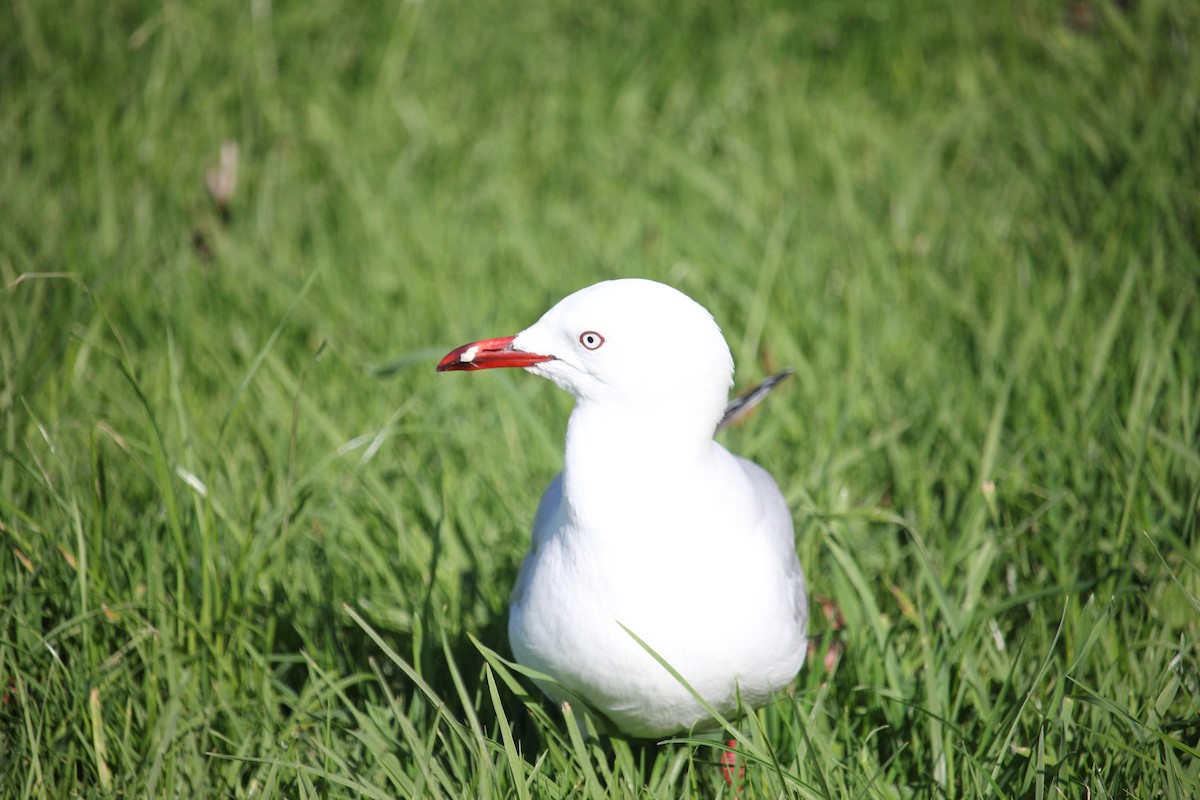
<point>591,340</point>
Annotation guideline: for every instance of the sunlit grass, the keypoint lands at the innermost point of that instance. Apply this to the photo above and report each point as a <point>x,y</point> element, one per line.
<point>254,546</point>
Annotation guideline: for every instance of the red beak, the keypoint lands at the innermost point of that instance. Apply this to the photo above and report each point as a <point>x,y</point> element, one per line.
<point>488,354</point>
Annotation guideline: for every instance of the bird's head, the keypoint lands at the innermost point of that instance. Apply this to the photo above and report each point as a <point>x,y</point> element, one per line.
<point>632,345</point>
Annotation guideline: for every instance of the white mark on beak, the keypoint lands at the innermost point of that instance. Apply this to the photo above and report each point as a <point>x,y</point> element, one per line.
<point>469,354</point>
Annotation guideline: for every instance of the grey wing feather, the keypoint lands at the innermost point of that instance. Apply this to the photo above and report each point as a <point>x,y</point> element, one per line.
<point>741,405</point>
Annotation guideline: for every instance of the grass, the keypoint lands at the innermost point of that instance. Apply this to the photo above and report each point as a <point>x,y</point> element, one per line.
<point>254,546</point>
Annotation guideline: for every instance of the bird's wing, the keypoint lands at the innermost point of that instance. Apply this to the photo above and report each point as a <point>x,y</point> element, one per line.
<point>777,521</point>
<point>742,405</point>
<point>776,516</point>
<point>545,520</point>
<point>548,510</point>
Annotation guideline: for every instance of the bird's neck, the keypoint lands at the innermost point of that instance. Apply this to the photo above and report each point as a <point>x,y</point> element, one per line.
<point>619,461</point>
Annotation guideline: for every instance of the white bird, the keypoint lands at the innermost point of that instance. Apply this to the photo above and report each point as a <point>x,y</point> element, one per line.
<point>651,527</point>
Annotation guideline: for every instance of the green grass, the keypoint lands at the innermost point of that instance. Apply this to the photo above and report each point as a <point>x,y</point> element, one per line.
<point>254,547</point>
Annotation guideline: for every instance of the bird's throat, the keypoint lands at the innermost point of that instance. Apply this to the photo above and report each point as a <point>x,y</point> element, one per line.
<point>618,467</point>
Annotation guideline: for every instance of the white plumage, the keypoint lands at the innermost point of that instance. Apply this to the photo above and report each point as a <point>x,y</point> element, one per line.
<point>651,524</point>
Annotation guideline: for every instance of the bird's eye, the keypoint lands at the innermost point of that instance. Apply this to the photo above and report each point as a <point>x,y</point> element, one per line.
<point>591,340</point>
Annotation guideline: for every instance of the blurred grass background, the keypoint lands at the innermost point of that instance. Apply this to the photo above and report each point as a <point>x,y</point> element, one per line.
<point>248,533</point>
